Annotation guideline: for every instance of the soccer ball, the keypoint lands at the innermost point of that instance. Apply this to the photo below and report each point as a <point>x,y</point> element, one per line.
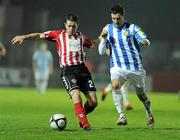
<point>58,122</point>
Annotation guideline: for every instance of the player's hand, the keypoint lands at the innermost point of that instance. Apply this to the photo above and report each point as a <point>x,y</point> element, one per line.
<point>104,33</point>
<point>145,42</point>
<point>18,39</point>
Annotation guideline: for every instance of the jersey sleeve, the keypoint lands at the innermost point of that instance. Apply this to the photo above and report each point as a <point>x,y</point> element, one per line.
<point>52,35</point>
<point>87,42</point>
<point>139,34</point>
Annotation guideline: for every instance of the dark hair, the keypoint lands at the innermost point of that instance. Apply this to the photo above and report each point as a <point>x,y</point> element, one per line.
<point>118,8</point>
<point>72,17</point>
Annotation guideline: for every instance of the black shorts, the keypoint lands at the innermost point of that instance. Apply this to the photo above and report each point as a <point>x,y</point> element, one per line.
<point>77,77</point>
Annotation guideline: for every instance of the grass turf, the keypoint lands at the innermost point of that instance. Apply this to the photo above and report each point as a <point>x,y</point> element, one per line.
<point>24,115</point>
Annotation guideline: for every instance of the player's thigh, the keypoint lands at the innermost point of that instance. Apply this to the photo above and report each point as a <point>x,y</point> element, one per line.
<point>75,94</point>
<point>118,77</point>
<point>86,82</point>
<point>137,79</point>
<point>69,81</point>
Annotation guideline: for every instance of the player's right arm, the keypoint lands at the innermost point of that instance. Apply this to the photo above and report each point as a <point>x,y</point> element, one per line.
<point>21,38</point>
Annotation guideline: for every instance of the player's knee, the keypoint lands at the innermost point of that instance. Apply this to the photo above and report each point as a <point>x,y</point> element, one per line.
<point>93,104</point>
<point>76,96</point>
<point>115,86</point>
<point>140,90</point>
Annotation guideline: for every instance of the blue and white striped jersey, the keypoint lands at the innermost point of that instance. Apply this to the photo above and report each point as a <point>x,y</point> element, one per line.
<point>124,45</point>
<point>42,60</point>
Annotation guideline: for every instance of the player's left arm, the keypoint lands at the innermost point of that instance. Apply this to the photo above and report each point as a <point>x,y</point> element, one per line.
<point>140,36</point>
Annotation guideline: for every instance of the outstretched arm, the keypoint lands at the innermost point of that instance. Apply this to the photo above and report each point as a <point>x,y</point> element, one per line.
<point>21,38</point>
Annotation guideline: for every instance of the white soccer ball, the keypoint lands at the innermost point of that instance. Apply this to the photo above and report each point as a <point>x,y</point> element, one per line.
<point>58,122</point>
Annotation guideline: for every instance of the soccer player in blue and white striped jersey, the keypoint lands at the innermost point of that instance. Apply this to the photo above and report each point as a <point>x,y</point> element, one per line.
<point>42,63</point>
<point>124,41</point>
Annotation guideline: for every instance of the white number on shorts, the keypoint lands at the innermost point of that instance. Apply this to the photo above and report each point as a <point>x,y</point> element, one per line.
<point>90,83</point>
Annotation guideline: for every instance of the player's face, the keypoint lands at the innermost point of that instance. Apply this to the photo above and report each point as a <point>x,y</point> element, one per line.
<point>117,19</point>
<point>71,27</point>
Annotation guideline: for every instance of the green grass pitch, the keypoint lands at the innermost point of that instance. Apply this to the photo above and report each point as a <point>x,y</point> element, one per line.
<point>24,115</point>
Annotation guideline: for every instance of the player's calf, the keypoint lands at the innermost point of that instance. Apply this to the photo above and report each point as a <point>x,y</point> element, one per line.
<point>89,107</point>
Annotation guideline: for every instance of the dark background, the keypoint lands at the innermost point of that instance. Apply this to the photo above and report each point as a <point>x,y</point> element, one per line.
<point>160,19</point>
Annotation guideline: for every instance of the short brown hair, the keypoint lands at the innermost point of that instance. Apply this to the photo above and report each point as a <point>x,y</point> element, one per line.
<point>118,8</point>
<point>72,17</point>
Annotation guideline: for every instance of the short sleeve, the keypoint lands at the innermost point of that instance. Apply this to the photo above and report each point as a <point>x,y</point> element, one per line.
<point>52,35</point>
<point>139,33</point>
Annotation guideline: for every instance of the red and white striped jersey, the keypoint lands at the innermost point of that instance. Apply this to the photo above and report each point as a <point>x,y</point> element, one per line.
<point>70,48</point>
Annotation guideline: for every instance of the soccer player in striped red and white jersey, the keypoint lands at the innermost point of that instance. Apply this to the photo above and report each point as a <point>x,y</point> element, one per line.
<point>70,45</point>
